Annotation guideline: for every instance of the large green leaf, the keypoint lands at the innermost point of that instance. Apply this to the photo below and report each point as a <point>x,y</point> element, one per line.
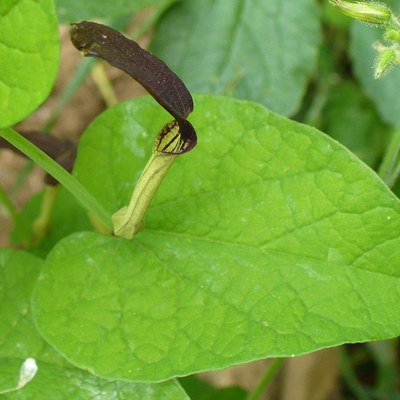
<point>56,378</point>
<point>78,10</point>
<point>29,51</point>
<point>252,49</point>
<point>268,239</point>
<point>384,91</point>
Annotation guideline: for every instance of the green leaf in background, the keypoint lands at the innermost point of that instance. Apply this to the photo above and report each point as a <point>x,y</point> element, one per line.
<point>384,92</point>
<point>56,379</point>
<point>29,52</point>
<point>269,239</point>
<point>350,118</point>
<point>78,10</point>
<point>258,50</point>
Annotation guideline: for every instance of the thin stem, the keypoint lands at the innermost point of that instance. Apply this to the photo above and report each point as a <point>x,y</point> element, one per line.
<point>314,111</point>
<point>42,222</point>
<point>266,379</point>
<point>78,78</point>
<point>104,85</point>
<point>389,169</point>
<point>8,205</point>
<point>128,220</point>
<point>54,169</point>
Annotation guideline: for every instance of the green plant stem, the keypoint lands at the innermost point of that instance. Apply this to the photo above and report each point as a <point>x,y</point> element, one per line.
<point>104,85</point>
<point>78,78</point>
<point>8,205</point>
<point>128,220</point>
<point>314,112</point>
<point>389,169</point>
<point>266,379</point>
<point>67,180</point>
<point>42,222</point>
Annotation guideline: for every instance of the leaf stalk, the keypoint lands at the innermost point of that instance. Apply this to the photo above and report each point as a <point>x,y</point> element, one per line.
<point>389,169</point>
<point>266,379</point>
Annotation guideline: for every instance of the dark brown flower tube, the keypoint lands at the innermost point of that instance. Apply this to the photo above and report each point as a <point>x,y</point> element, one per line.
<point>164,85</point>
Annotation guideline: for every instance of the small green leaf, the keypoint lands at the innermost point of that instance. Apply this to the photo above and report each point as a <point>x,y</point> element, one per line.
<point>77,10</point>
<point>257,50</point>
<point>269,239</point>
<point>55,379</point>
<point>29,52</point>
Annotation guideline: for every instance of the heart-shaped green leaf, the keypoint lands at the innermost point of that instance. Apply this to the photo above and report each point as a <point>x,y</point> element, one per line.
<point>269,239</point>
<point>258,50</point>
<point>29,51</point>
<point>55,379</point>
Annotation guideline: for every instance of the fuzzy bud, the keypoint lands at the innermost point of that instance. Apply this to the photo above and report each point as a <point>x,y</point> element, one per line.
<point>392,35</point>
<point>385,60</point>
<point>374,13</point>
